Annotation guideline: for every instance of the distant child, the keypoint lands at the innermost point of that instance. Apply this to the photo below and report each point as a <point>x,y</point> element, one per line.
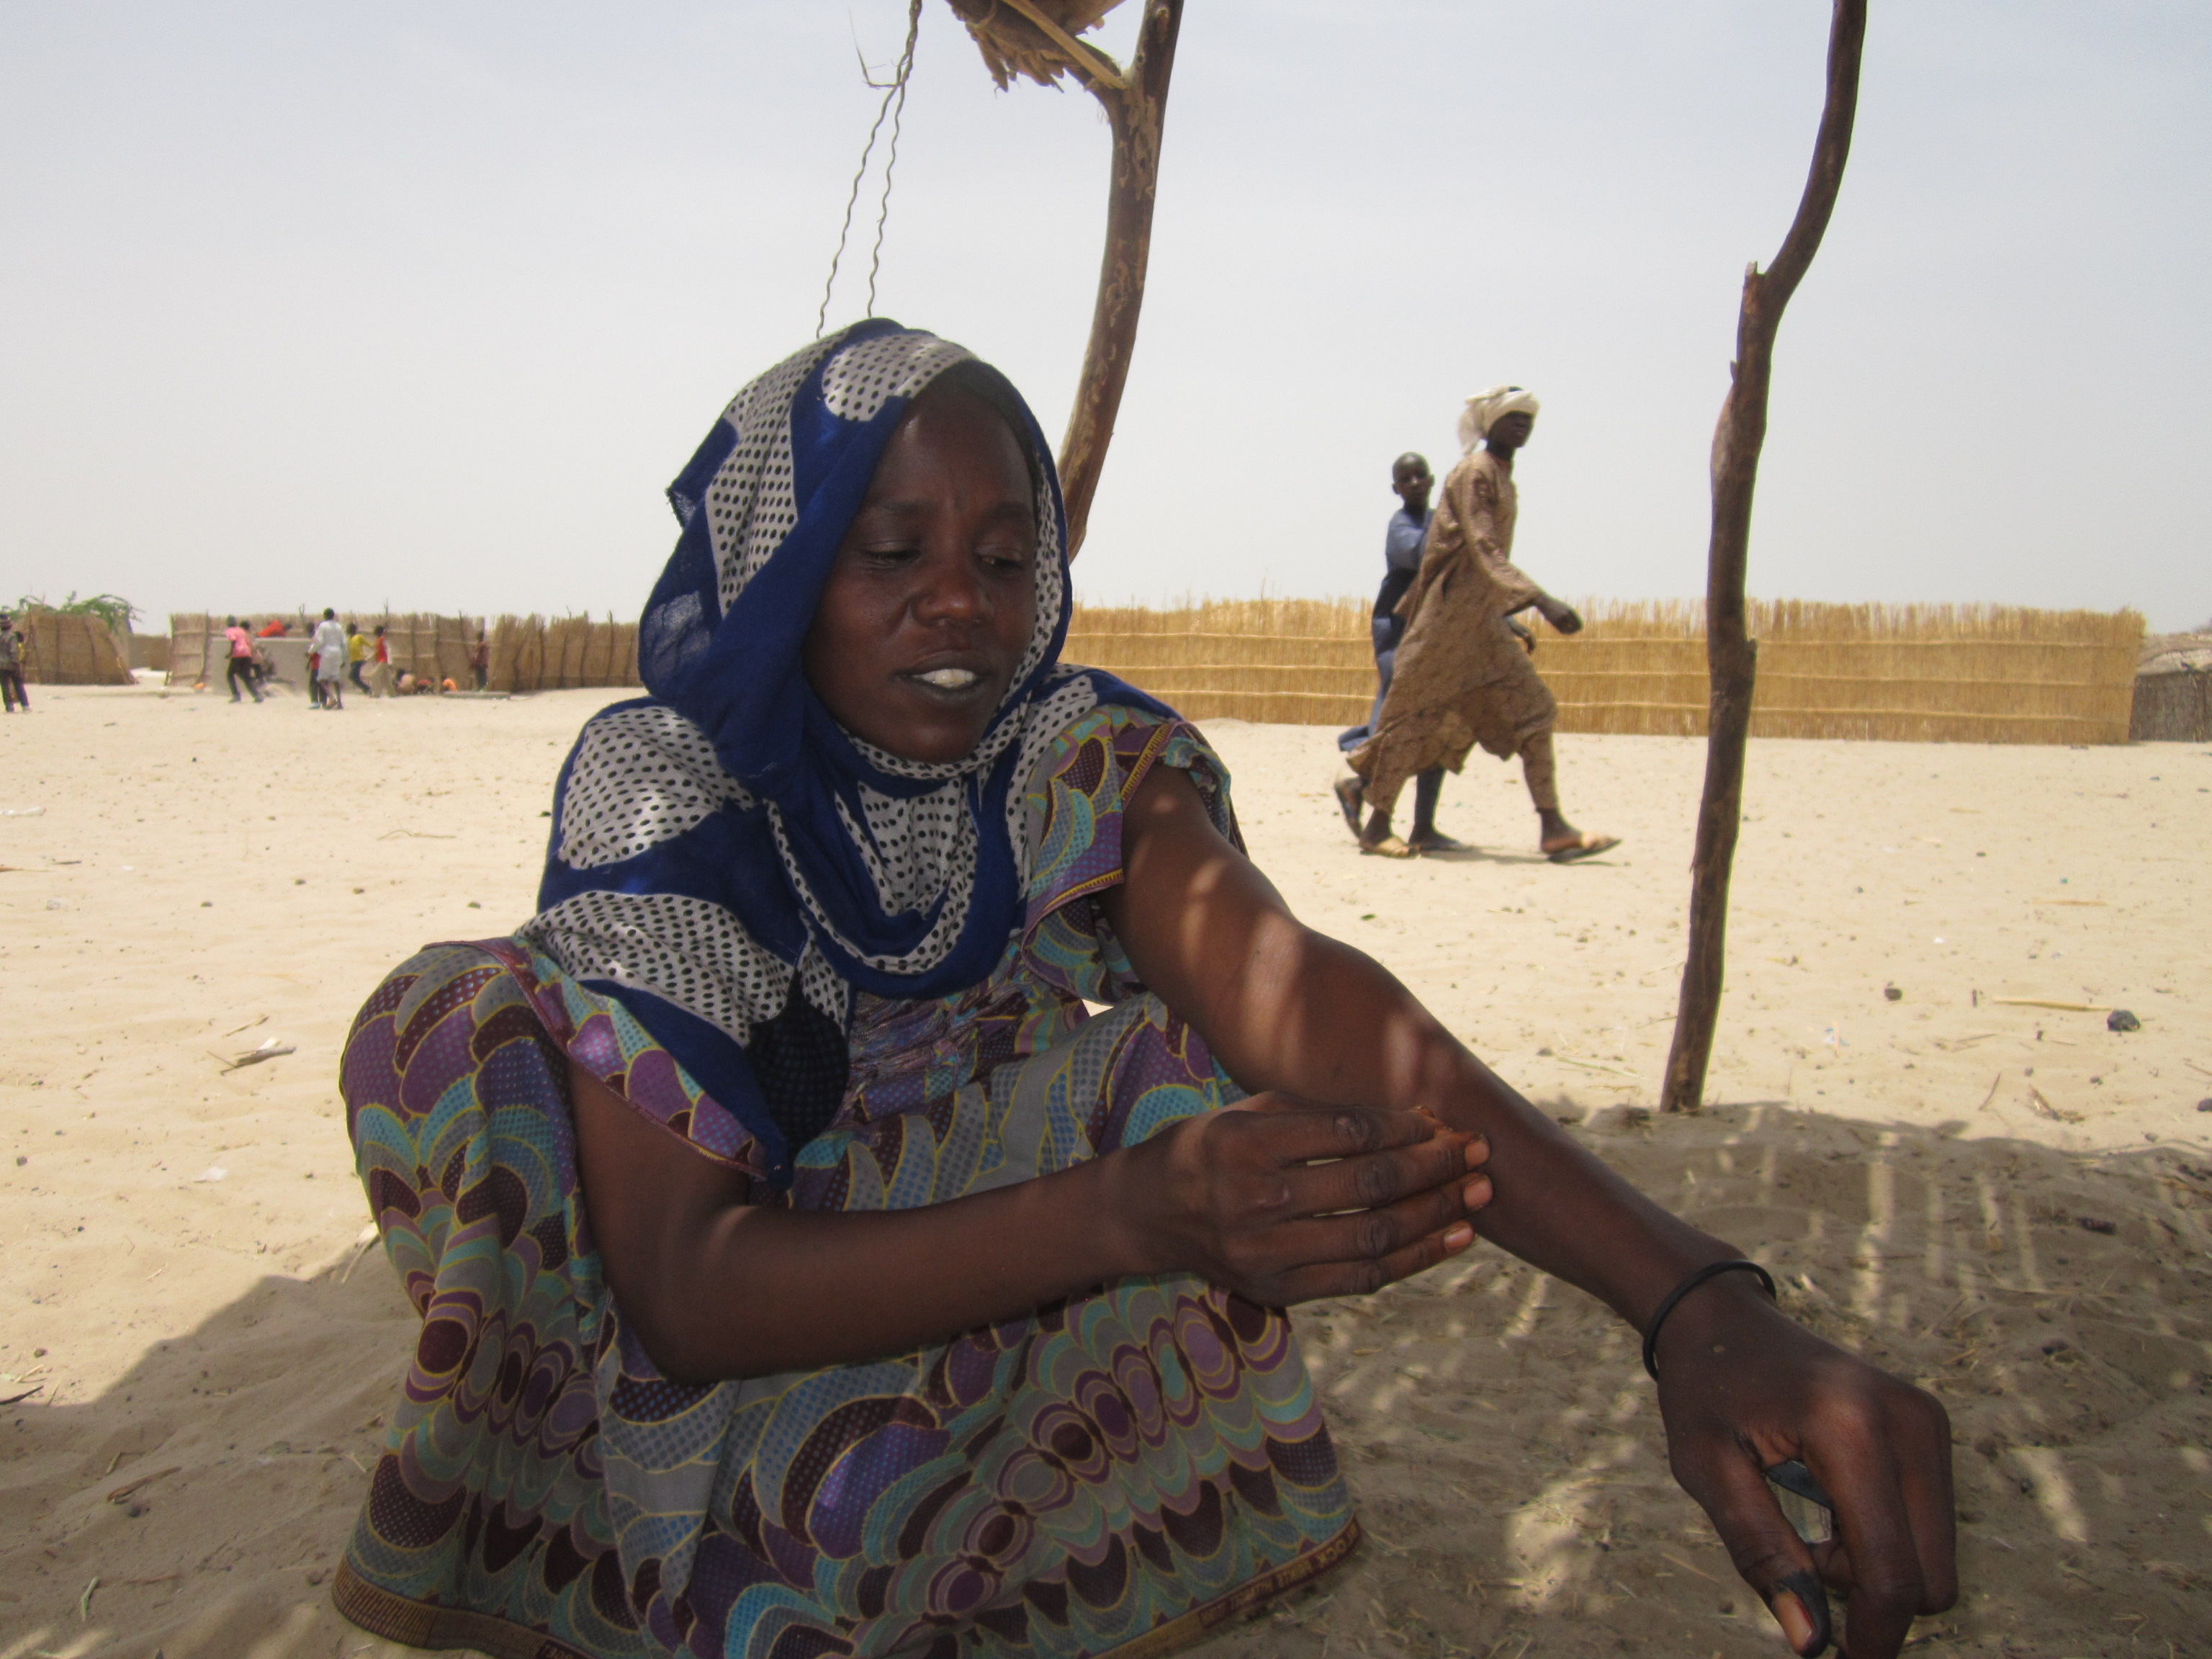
<point>480,661</point>
<point>242,670</point>
<point>381,655</point>
<point>329,644</point>
<point>11,666</point>
<point>356,655</point>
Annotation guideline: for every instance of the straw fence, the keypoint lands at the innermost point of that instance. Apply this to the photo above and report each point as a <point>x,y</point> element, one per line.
<point>528,654</point>
<point>429,646</point>
<point>63,648</point>
<point>532,653</point>
<point>1915,673</point>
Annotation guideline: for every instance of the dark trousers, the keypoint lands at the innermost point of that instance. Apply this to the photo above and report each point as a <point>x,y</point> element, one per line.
<point>11,690</point>
<point>353,673</point>
<point>241,673</point>
<point>1428,786</point>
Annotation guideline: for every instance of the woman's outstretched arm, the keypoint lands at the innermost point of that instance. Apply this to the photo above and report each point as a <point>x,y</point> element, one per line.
<point>717,1287</point>
<point>1741,1386</point>
<point>1284,1007</point>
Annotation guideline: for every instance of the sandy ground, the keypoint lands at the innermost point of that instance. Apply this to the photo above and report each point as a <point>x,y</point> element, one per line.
<point>2009,1203</point>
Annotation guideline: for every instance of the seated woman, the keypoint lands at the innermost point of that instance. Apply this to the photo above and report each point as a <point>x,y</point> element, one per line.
<point>803,1270</point>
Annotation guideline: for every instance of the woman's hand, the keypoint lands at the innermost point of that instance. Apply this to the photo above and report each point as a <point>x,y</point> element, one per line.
<point>1283,1007</point>
<point>1742,1387</point>
<point>1241,1197</point>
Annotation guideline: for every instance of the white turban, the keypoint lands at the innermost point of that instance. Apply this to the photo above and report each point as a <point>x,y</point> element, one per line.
<point>1485,409</point>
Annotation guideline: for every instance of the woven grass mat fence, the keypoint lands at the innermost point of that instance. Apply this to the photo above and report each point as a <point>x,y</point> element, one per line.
<point>535,653</point>
<point>1912,674</point>
<point>60,648</point>
<point>427,646</point>
<point>528,654</point>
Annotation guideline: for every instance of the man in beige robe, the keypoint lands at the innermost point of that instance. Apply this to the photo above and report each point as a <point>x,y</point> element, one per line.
<point>1463,674</point>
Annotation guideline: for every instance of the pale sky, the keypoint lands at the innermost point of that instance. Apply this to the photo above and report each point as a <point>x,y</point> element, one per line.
<point>344,304</point>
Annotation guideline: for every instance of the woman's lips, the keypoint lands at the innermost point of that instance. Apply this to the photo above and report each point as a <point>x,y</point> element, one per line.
<point>950,683</point>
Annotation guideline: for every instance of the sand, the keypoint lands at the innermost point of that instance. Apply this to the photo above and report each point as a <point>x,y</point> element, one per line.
<point>2006,1202</point>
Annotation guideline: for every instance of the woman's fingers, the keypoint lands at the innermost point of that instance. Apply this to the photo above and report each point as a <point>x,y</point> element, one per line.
<point>1741,1386</point>
<point>1361,1278</point>
<point>1372,1180</point>
<point>1727,1483</point>
<point>1349,1157</point>
<point>1924,1478</point>
<point>1886,1545</point>
<point>1350,1254</point>
<point>1255,1196</point>
<point>1288,1131</point>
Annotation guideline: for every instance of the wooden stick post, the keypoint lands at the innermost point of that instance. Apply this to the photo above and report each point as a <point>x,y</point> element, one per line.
<point>1039,40</point>
<point>1731,655</point>
<point>1135,109</point>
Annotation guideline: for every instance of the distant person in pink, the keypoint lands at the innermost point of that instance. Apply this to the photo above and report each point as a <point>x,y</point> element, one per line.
<point>241,661</point>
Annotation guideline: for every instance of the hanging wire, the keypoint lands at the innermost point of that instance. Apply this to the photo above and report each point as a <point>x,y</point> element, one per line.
<point>894,108</point>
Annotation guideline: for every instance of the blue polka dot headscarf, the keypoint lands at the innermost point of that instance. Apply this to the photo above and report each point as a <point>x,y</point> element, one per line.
<point>728,861</point>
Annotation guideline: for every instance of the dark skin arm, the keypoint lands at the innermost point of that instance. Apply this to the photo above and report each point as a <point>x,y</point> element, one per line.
<point>717,1284</point>
<point>1741,1386</point>
<point>926,613</point>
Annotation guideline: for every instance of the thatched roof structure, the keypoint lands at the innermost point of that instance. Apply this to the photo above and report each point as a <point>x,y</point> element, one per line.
<point>1037,38</point>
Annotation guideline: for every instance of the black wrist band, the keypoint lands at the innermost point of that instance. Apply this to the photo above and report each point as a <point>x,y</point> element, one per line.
<point>1711,1270</point>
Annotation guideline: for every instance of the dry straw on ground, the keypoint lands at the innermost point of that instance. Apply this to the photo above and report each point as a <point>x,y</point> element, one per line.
<point>1927,673</point>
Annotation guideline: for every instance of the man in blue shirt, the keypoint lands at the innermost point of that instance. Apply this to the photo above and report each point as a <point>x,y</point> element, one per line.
<point>1412,481</point>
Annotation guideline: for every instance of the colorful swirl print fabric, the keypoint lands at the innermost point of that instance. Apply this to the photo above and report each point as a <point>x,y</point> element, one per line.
<point>1116,1474</point>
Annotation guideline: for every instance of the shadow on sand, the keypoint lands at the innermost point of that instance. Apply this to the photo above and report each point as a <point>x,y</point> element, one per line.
<point>1496,1426</point>
<point>1489,856</point>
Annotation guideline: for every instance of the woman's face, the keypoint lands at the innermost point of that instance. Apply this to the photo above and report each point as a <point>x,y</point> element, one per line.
<point>932,598</point>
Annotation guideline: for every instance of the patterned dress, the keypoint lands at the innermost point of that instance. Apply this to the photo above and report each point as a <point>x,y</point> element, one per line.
<point>1116,1472</point>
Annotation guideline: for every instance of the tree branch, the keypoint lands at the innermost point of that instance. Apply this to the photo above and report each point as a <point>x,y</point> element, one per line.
<point>1136,110</point>
<point>1731,655</point>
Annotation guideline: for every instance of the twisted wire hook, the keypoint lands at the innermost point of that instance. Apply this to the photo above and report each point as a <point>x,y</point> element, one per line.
<point>893,107</point>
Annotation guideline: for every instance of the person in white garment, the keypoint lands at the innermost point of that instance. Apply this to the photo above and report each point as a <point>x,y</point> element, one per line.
<point>330,649</point>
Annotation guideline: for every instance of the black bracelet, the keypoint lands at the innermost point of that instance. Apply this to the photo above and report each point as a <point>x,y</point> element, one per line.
<point>1711,1270</point>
